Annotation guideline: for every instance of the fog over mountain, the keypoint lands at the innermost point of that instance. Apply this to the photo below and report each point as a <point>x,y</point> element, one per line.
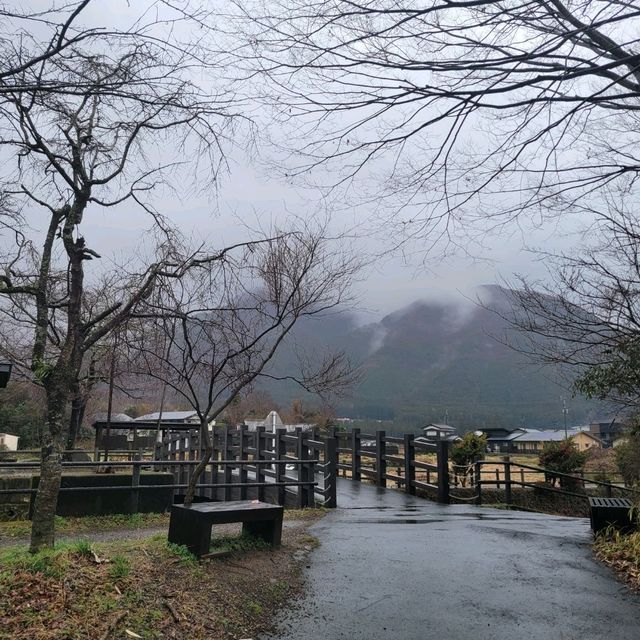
<point>433,359</point>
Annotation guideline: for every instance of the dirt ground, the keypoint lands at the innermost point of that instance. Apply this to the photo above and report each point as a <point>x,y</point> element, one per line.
<point>144,588</point>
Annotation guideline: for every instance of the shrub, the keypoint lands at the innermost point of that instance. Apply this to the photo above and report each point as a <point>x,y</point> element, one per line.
<point>628,460</point>
<point>472,447</point>
<point>602,464</point>
<point>563,457</point>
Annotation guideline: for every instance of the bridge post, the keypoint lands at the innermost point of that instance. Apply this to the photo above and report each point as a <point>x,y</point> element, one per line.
<point>381,459</point>
<point>507,480</point>
<point>443,471</point>
<point>409,469</point>
<point>331,473</point>
<point>258,456</point>
<point>214,479</point>
<point>242,471</point>
<point>227,469</point>
<point>302,453</point>
<point>356,459</point>
<point>280,449</point>
<point>478,476</point>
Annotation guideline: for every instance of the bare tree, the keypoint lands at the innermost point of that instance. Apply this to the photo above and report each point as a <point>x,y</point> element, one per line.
<point>213,333</point>
<point>460,110</point>
<point>24,55</point>
<point>586,315</point>
<point>68,152</point>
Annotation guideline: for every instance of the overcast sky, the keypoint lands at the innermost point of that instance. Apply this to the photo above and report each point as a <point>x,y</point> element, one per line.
<point>252,194</point>
<point>245,195</point>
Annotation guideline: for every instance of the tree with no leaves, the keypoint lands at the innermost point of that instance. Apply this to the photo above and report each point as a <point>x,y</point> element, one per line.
<point>460,110</point>
<point>586,316</point>
<point>83,130</point>
<point>213,333</point>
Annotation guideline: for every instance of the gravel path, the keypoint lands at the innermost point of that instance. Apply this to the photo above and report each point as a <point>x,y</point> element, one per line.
<point>130,534</point>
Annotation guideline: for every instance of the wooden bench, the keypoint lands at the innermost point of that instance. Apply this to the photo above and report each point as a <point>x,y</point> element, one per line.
<point>191,525</point>
<point>611,512</point>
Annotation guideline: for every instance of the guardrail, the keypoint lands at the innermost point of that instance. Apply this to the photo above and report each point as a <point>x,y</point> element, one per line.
<point>205,482</point>
<point>517,474</point>
<point>298,466</point>
<point>381,459</point>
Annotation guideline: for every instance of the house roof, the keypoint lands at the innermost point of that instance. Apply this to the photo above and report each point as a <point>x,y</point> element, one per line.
<point>513,435</point>
<point>440,427</point>
<point>166,416</point>
<point>589,435</point>
<point>115,417</point>
<point>546,435</point>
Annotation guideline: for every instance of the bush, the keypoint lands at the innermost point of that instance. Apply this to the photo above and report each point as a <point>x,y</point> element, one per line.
<point>602,464</point>
<point>465,452</point>
<point>628,460</point>
<point>563,457</point>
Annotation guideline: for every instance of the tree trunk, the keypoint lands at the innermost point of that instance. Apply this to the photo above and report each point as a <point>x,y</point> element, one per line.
<point>78,406</point>
<point>202,464</point>
<point>46,501</point>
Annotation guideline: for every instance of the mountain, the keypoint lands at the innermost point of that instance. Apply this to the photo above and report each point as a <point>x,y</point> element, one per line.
<point>434,360</point>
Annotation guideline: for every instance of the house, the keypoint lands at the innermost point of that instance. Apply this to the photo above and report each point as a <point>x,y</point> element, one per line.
<point>585,440</point>
<point>607,430</point>
<point>171,417</point>
<point>144,431</point>
<point>8,442</point>
<point>273,421</point>
<point>500,439</point>
<point>533,440</point>
<point>433,432</point>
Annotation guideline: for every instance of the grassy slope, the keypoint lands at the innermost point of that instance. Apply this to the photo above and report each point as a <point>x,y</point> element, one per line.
<point>148,588</point>
<point>622,554</point>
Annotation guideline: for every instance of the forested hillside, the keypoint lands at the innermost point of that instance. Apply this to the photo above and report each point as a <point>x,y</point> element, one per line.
<point>430,359</point>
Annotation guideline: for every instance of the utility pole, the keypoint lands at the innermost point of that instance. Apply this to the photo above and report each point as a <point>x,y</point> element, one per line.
<point>564,414</point>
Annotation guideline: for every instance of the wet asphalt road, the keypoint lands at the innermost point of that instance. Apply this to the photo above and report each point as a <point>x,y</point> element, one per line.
<point>393,566</point>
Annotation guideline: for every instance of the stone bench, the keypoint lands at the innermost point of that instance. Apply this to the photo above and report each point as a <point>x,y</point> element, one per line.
<point>191,525</point>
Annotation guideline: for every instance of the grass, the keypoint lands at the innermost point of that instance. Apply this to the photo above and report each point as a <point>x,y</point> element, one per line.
<point>621,553</point>
<point>148,587</point>
<point>49,563</point>
<point>88,524</point>
<point>120,567</point>
<point>182,553</point>
<point>238,544</point>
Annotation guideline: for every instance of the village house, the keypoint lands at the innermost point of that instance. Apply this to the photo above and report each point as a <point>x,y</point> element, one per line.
<point>608,430</point>
<point>433,432</point>
<point>523,440</point>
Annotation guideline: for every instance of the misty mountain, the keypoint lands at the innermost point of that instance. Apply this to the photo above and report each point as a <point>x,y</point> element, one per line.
<point>433,360</point>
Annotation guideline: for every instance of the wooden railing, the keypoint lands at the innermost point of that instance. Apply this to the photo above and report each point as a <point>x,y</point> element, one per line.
<point>297,467</point>
<point>384,459</point>
<point>506,474</point>
<point>312,455</point>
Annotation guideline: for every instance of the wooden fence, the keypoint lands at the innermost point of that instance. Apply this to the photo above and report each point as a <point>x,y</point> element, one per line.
<point>263,458</point>
<point>384,460</point>
<point>506,475</point>
<point>298,468</point>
